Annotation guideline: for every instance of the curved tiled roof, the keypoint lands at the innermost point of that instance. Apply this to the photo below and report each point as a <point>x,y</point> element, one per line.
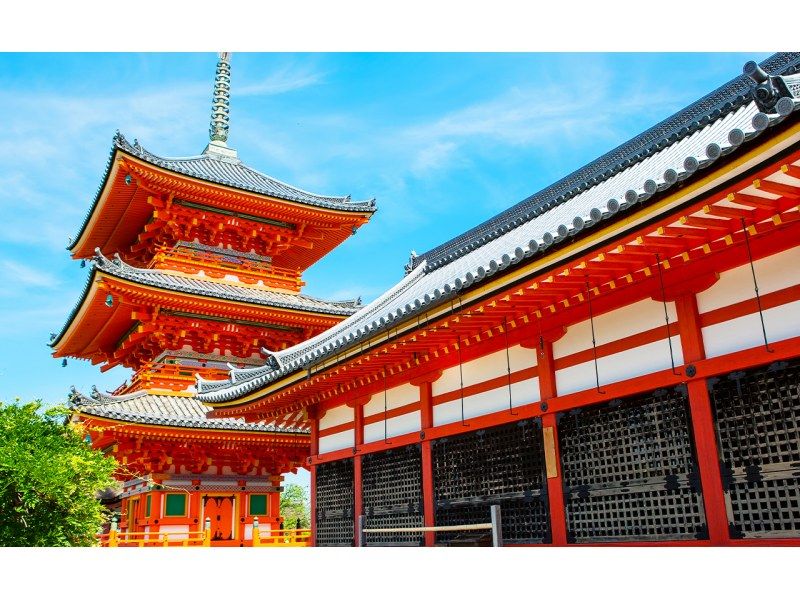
<point>208,288</point>
<point>234,173</point>
<point>212,288</point>
<point>718,104</point>
<point>520,240</point>
<point>227,171</point>
<point>145,408</point>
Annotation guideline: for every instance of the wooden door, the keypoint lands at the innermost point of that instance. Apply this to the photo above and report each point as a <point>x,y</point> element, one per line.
<point>221,511</point>
<point>133,514</point>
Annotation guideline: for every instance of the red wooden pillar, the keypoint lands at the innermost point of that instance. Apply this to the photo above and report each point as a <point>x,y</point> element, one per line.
<point>547,390</point>
<point>193,508</point>
<point>703,422</point>
<point>274,507</point>
<point>425,385</point>
<point>156,509</point>
<point>358,440</point>
<point>314,423</point>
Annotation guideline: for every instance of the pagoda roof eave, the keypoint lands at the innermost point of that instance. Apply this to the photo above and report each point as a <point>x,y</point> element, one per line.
<point>246,294</point>
<point>160,411</point>
<point>212,293</point>
<point>270,188</point>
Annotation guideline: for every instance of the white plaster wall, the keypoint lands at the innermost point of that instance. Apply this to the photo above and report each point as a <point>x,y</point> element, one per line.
<point>176,532</point>
<point>398,396</point>
<point>336,417</point>
<point>624,365</point>
<point>734,286</point>
<point>485,368</point>
<point>781,322</point>
<point>336,442</point>
<point>395,426</point>
<point>621,323</point>
<point>248,531</point>
<point>491,401</point>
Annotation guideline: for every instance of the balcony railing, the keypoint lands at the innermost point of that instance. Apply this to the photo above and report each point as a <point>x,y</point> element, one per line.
<point>171,376</point>
<point>279,538</point>
<point>115,539</point>
<point>191,261</point>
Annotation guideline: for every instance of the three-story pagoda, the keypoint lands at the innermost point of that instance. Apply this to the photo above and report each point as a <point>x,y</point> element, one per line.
<point>196,263</point>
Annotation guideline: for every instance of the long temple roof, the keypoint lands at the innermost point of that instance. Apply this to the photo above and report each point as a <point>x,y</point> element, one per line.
<point>224,170</point>
<point>163,410</point>
<point>164,280</point>
<point>717,105</point>
<point>722,123</point>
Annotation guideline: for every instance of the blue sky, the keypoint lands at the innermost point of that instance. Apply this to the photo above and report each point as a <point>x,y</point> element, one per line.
<point>443,141</point>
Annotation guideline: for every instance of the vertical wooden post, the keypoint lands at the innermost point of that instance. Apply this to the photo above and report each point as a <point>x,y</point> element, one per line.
<point>274,507</point>
<point>156,509</point>
<point>314,423</point>
<point>112,533</point>
<point>256,533</point>
<point>705,438</point>
<point>547,391</point>
<point>193,503</point>
<point>497,526</point>
<point>361,537</point>
<point>358,440</point>
<point>207,532</point>
<point>426,420</point>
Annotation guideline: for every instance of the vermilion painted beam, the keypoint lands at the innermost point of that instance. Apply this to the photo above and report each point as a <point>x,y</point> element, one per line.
<point>703,422</point>
<point>788,191</point>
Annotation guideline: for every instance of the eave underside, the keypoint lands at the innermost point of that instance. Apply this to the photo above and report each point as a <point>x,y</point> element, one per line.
<point>143,322</point>
<point>133,215</point>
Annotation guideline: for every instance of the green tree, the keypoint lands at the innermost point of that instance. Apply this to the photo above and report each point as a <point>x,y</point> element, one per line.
<point>295,507</point>
<point>49,479</point>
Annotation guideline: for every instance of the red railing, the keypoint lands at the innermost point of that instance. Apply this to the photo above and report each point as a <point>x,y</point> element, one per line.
<point>186,259</point>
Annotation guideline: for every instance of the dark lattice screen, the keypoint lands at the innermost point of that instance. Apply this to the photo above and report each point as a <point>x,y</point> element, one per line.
<point>392,494</point>
<point>335,518</point>
<point>502,465</point>
<point>758,426</point>
<point>630,470</point>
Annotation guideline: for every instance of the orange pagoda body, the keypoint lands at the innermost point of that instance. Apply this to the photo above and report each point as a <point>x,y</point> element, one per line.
<point>206,276</point>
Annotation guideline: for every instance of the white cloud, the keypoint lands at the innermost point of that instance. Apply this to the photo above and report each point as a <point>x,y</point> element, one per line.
<point>286,79</point>
<point>25,276</point>
<point>433,156</point>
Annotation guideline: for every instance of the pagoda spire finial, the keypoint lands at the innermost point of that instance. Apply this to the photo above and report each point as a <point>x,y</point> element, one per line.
<point>220,109</point>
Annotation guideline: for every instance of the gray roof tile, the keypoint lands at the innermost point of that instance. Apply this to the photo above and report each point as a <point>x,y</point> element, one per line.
<point>166,410</point>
